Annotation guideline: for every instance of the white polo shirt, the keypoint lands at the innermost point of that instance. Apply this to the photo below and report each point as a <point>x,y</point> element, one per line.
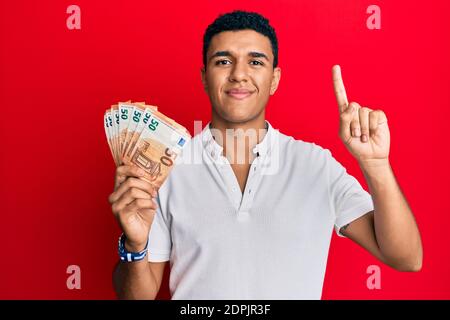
<point>270,242</point>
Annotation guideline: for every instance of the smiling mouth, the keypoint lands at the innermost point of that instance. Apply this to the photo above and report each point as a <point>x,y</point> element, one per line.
<point>239,94</point>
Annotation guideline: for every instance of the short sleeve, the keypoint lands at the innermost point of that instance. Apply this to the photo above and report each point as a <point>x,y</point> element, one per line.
<point>348,198</point>
<point>160,243</point>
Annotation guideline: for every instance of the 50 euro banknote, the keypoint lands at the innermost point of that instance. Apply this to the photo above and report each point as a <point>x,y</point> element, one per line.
<point>140,135</point>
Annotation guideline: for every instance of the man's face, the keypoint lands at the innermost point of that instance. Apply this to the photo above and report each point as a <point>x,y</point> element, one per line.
<point>239,75</point>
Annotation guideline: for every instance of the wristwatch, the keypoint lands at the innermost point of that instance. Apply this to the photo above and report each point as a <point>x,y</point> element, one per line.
<point>130,256</point>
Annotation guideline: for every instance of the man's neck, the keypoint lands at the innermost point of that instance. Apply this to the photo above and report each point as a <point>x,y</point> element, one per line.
<point>238,139</point>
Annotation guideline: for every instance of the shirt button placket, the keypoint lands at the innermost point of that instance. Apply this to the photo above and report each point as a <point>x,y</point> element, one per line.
<point>249,194</point>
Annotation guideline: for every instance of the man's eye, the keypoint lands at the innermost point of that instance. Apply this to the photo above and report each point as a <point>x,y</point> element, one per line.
<point>256,63</point>
<point>222,62</point>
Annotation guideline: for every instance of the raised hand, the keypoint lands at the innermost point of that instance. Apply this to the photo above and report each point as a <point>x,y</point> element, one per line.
<point>364,131</point>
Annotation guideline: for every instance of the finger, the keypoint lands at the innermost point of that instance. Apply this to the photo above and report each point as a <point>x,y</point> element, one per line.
<point>339,89</point>
<point>140,204</point>
<point>373,122</point>
<point>118,206</point>
<point>132,194</point>
<point>132,183</point>
<point>118,181</point>
<point>146,209</point>
<point>364,123</point>
<point>345,119</point>
<point>355,126</point>
<point>382,119</point>
<point>376,119</point>
<point>129,197</point>
<point>123,172</point>
<point>146,214</point>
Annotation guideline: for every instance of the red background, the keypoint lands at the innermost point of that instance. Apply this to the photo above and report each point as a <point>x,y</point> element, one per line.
<point>56,170</point>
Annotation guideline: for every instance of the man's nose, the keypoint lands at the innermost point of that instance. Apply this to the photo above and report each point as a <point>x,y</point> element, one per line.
<point>239,72</point>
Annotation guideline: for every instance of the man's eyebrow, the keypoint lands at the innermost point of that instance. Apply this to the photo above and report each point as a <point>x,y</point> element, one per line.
<point>226,53</point>
<point>255,54</point>
<point>220,54</point>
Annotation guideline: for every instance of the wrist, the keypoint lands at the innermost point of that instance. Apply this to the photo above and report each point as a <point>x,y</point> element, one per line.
<point>374,164</point>
<point>376,171</point>
<point>133,252</point>
<point>134,247</point>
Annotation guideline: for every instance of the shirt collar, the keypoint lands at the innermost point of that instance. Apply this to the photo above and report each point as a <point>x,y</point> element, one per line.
<point>215,149</point>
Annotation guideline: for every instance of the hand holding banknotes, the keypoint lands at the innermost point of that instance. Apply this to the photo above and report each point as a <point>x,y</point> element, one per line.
<point>144,144</point>
<point>133,205</point>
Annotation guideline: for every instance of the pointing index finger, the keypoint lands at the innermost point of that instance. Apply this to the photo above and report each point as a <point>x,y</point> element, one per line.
<point>339,89</point>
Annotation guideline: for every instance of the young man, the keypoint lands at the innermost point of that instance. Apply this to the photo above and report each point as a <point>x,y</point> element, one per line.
<point>253,218</point>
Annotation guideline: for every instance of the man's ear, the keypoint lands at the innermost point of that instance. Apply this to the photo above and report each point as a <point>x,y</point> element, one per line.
<point>203,74</point>
<point>275,80</point>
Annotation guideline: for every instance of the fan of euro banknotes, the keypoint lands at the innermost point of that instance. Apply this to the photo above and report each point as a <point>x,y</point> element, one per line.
<point>138,134</point>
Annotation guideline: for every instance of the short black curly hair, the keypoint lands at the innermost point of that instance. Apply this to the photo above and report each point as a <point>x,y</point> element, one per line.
<point>241,20</point>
